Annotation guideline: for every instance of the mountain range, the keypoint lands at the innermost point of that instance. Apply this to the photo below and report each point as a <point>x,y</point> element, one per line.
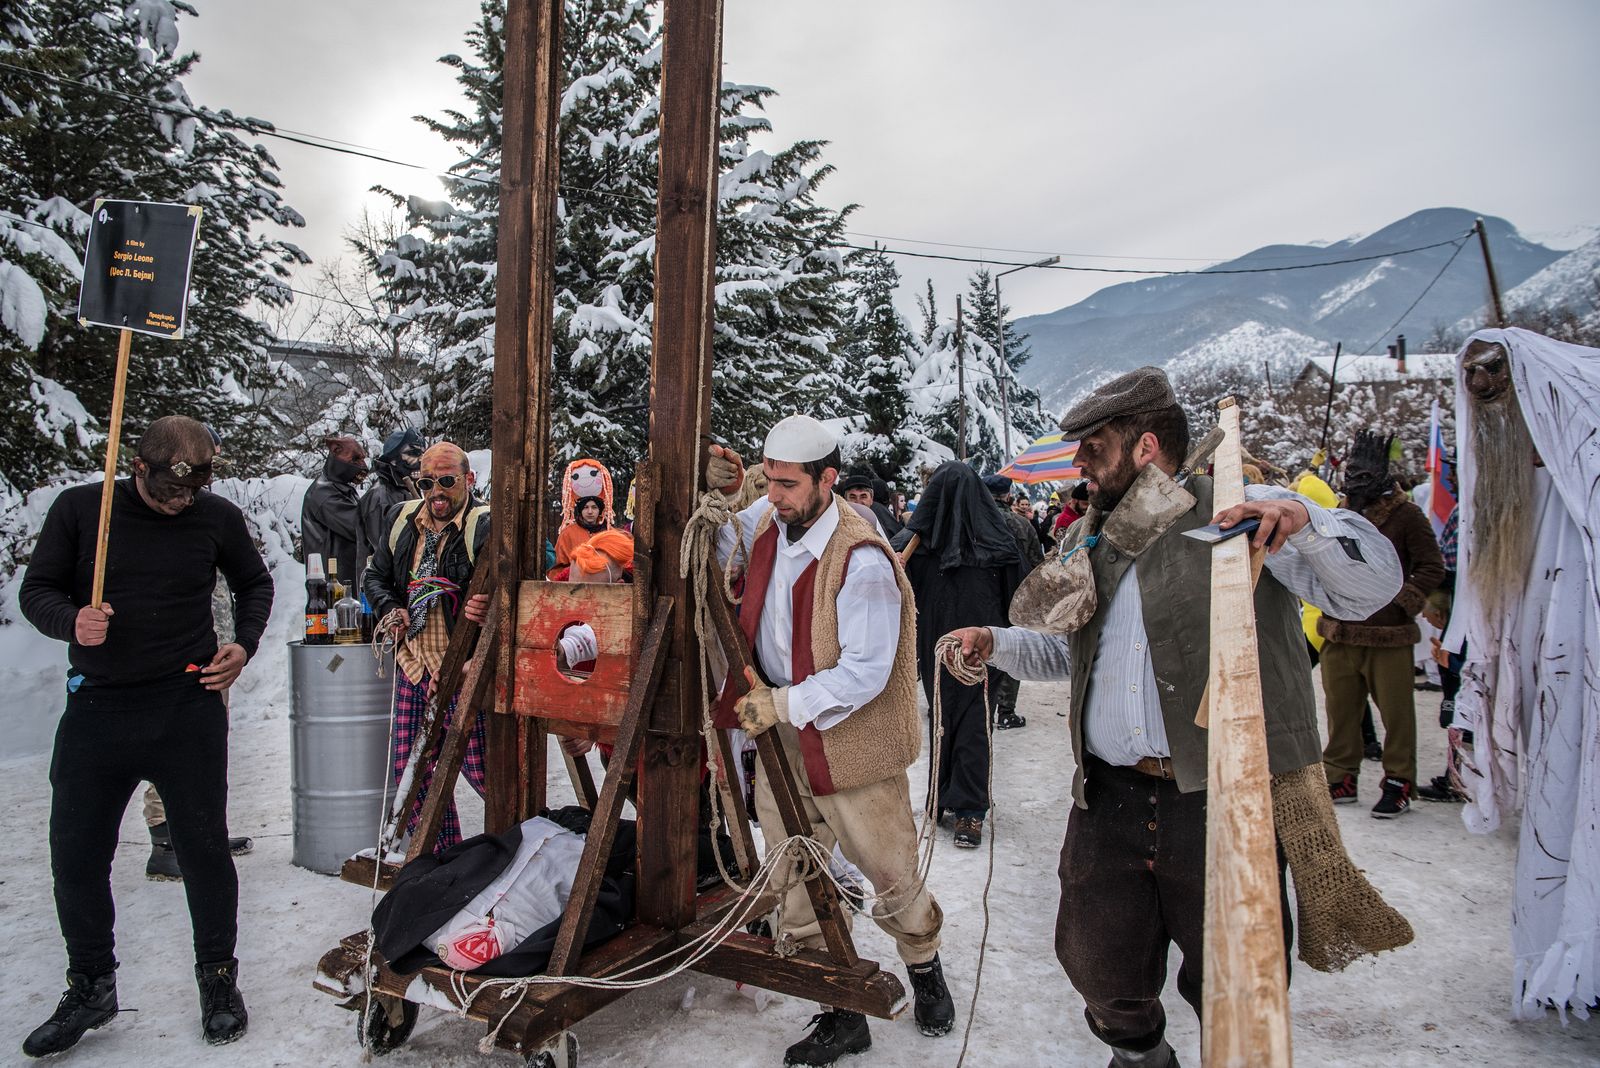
<point>1359,291</point>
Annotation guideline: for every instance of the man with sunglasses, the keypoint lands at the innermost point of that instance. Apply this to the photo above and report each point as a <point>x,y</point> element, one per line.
<point>417,586</point>
<point>145,679</point>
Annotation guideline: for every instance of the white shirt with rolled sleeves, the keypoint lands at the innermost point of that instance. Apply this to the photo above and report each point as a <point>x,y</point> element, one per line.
<point>1122,722</point>
<point>869,620</point>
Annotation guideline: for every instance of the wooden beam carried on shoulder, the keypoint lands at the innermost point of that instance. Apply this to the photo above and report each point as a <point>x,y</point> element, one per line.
<point>1246,989</point>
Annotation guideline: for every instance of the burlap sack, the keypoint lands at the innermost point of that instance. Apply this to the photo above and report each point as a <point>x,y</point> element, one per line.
<point>1341,917</point>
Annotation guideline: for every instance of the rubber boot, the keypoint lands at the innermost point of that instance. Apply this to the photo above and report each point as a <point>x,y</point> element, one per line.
<point>89,1002</point>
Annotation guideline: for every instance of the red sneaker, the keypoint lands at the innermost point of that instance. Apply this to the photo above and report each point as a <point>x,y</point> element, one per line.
<point>1343,792</point>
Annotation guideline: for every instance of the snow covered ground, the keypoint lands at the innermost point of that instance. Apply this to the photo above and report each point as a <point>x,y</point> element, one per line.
<point>1441,1001</point>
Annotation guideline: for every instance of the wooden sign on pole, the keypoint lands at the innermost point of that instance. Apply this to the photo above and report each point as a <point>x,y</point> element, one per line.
<point>136,268</point>
<point>1246,1002</point>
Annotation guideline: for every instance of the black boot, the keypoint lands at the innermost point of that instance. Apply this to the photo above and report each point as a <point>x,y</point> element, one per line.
<point>89,1002</point>
<point>838,1031</point>
<point>935,1012</point>
<point>1008,720</point>
<point>163,862</point>
<point>1160,1057</point>
<point>222,1014</point>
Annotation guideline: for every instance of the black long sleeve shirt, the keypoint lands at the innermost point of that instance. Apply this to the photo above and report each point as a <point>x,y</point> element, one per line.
<point>160,570</point>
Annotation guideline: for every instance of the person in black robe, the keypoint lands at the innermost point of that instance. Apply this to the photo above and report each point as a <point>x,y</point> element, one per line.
<point>963,572</point>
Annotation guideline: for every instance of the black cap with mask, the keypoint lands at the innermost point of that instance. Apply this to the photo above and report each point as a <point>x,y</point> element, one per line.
<point>401,456</point>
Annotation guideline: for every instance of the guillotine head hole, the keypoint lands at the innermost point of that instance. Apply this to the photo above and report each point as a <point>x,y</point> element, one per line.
<point>576,648</point>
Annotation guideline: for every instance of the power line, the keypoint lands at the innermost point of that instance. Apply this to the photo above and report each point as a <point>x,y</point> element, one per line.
<point>1132,270</point>
<point>264,128</point>
<point>1461,244</point>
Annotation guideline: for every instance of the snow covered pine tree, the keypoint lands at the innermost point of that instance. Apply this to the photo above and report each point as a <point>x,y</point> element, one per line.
<point>780,284</point>
<point>98,109</point>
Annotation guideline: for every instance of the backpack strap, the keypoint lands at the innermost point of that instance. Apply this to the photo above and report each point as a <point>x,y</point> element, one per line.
<point>470,531</point>
<point>408,512</point>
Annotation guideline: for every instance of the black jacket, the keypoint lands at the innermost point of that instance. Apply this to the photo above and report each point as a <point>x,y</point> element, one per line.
<point>375,506</point>
<point>391,570</point>
<point>329,526</point>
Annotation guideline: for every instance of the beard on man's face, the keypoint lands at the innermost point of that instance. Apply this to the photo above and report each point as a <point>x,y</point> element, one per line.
<point>1502,492</point>
<point>1110,484</point>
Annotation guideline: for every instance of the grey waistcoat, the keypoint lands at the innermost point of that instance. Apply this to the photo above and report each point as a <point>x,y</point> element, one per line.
<point>1174,592</point>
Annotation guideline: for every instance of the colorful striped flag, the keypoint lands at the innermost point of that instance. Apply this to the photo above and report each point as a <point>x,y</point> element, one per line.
<point>1049,459</point>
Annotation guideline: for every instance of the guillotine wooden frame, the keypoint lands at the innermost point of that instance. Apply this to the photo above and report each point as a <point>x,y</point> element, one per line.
<point>645,695</point>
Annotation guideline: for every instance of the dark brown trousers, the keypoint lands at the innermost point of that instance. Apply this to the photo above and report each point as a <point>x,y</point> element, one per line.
<point>1132,883</point>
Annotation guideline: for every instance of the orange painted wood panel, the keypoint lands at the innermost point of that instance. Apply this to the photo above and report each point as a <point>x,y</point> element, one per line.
<point>544,610</point>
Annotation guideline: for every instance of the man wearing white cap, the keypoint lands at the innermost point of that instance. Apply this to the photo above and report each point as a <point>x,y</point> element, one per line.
<point>830,616</point>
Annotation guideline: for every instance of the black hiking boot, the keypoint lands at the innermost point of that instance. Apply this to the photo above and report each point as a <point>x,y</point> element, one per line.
<point>1160,1057</point>
<point>222,1014</point>
<point>89,1002</point>
<point>163,863</point>
<point>837,1032</point>
<point>935,1012</point>
<point>969,832</point>
<point>1006,721</point>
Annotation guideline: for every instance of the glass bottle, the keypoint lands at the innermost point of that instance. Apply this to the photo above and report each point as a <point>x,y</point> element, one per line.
<point>316,631</point>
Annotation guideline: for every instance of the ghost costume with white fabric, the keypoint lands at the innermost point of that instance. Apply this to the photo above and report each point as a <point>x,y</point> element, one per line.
<point>1530,686</point>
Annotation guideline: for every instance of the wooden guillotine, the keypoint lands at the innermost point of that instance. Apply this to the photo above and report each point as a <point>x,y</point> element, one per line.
<point>645,694</point>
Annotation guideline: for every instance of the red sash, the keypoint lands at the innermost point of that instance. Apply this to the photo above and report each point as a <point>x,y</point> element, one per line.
<point>757,579</point>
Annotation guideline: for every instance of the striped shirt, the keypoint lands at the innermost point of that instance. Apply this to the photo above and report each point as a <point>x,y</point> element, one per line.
<point>1122,719</point>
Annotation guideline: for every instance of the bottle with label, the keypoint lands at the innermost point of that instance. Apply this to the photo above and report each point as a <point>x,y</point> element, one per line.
<point>368,621</point>
<point>316,632</point>
<point>335,593</point>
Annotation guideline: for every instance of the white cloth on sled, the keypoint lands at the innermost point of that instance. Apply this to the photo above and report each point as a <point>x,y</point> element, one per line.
<point>530,893</point>
<point>1530,687</point>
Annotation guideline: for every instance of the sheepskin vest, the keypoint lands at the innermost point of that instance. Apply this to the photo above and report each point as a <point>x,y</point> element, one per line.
<point>883,737</point>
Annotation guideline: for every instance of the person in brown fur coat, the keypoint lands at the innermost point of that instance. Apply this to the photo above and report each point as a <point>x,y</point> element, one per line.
<point>1373,655</point>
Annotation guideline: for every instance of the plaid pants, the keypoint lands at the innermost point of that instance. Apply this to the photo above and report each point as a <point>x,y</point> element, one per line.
<point>410,703</point>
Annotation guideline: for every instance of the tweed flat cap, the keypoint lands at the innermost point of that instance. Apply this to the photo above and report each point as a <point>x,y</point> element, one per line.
<point>1143,390</point>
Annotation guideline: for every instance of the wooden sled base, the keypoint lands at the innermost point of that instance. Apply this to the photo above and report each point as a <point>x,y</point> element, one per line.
<point>546,1011</point>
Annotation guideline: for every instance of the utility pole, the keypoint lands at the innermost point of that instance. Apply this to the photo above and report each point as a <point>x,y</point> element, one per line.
<point>1488,265</point>
<point>1000,348</point>
<point>961,385</point>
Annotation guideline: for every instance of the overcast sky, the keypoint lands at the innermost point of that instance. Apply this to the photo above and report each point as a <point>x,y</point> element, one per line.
<point>1197,131</point>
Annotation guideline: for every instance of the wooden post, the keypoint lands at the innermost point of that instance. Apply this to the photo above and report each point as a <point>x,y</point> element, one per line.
<point>1488,265</point>
<point>524,306</point>
<point>1246,1000</point>
<point>961,385</point>
<point>119,393</point>
<point>680,417</point>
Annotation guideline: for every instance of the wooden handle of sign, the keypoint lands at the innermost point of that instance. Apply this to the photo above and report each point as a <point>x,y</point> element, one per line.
<point>1245,1006</point>
<point>113,440</point>
<point>911,547</point>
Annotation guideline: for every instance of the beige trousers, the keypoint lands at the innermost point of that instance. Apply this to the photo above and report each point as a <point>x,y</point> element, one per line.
<point>873,828</point>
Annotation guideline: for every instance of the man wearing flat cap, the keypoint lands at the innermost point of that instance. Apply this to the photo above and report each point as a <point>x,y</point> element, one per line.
<point>831,620</point>
<point>1133,861</point>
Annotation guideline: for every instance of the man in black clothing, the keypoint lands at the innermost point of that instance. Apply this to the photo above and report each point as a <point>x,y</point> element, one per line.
<point>144,703</point>
<point>860,487</point>
<point>396,468</point>
<point>330,523</point>
<point>1007,688</point>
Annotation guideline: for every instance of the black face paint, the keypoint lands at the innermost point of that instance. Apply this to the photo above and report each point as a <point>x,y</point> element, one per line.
<point>174,481</point>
